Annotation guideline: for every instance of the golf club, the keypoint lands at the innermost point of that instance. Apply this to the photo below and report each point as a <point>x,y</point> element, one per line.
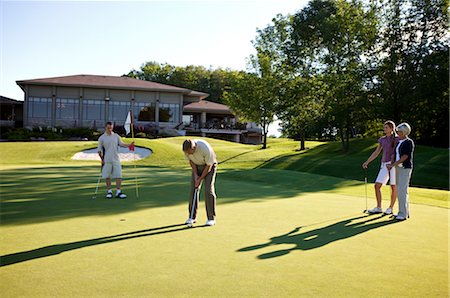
<point>98,183</point>
<point>407,206</point>
<point>192,208</point>
<point>365,186</point>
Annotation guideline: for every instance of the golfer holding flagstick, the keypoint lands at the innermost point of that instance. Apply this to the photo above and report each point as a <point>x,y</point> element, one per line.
<point>111,167</point>
<point>203,162</point>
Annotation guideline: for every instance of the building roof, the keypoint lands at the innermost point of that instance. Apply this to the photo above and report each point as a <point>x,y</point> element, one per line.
<point>96,81</point>
<point>8,100</point>
<point>208,107</point>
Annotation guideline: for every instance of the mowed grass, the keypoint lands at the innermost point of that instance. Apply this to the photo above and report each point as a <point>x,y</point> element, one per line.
<point>430,164</point>
<point>280,233</point>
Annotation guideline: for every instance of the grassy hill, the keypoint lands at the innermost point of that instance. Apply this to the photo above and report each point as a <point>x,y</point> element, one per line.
<point>430,164</point>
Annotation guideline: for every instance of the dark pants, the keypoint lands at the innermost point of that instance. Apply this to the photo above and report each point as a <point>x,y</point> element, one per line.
<point>210,193</point>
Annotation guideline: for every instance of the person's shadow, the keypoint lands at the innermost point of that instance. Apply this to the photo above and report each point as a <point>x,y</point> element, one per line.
<point>321,236</point>
<point>56,249</point>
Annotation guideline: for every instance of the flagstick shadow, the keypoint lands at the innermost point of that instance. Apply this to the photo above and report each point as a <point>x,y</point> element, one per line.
<point>319,237</point>
<point>56,249</point>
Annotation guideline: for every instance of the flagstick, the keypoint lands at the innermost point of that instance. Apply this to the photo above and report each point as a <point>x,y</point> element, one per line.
<point>134,156</point>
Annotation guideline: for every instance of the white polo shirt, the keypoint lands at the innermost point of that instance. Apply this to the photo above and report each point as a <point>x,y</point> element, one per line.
<point>111,144</point>
<point>203,155</point>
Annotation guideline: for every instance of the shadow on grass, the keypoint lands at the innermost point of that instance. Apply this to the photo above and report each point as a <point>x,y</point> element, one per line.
<point>275,184</point>
<point>52,193</point>
<point>56,249</point>
<point>235,156</point>
<point>319,237</point>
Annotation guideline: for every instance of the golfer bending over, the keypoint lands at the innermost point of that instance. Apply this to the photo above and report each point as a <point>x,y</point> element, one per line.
<point>204,168</point>
<point>108,145</point>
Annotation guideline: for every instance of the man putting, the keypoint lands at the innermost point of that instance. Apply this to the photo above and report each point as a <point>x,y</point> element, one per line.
<point>108,150</point>
<point>204,168</point>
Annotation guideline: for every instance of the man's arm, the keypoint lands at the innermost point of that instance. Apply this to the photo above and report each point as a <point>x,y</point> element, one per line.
<point>194,169</point>
<point>122,144</point>
<point>100,151</point>
<point>205,172</point>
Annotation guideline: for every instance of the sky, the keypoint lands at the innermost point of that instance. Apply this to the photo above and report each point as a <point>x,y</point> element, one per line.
<point>58,38</point>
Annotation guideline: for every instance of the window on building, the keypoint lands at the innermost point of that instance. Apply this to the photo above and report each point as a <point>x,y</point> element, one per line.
<point>144,111</point>
<point>67,108</point>
<point>39,107</point>
<point>93,109</point>
<point>7,112</point>
<point>169,112</point>
<point>118,110</point>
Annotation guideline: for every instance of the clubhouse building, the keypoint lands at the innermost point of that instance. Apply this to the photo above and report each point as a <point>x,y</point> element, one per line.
<point>92,100</point>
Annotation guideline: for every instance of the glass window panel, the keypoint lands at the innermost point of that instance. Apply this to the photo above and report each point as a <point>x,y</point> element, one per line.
<point>144,111</point>
<point>40,107</point>
<point>93,109</point>
<point>169,112</point>
<point>118,110</point>
<point>67,108</point>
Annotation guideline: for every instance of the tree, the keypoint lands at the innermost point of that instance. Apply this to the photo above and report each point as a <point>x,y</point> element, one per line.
<point>199,78</point>
<point>301,107</point>
<point>254,95</point>
<point>330,40</point>
<point>294,107</point>
<point>412,77</point>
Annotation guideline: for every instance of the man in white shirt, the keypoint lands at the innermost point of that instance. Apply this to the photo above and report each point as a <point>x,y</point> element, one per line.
<point>108,150</point>
<point>203,162</point>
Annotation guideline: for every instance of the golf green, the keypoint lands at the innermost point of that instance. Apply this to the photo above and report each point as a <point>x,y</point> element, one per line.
<point>279,233</point>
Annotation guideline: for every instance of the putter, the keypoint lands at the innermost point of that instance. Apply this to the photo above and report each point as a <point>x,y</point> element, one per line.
<point>365,186</point>
<point>98,182</point>
<point>407,205</point>
<point>192,208</point>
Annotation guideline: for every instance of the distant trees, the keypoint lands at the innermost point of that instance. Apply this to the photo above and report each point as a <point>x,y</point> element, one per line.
<point>328,45</point>
<point>338,65</point>
<point>211,81</point>
<point>411,77</point>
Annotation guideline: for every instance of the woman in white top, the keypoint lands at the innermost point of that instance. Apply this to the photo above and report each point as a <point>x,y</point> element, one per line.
<point>403,164</point>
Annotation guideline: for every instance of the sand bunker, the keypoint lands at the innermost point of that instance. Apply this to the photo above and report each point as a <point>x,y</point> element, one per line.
<point>124,154</point>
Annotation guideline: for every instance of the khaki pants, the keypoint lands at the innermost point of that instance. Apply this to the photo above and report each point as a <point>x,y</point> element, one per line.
<point>210,193</point>
<point>403,177</point>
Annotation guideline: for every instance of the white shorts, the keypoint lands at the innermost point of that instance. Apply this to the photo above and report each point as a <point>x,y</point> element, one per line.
<point>384,176</point>
<point>112,170</point>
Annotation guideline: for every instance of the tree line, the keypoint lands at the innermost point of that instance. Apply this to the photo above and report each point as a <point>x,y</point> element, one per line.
<point>337,68</point>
